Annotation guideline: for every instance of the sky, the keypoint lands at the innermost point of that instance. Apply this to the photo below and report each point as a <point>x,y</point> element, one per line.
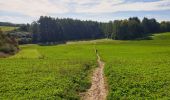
<point>27,11</point>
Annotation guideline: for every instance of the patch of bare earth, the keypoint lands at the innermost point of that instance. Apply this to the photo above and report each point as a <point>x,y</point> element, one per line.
<point>98,90</point>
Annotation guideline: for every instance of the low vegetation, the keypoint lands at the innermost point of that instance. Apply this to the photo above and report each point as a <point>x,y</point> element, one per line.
<point>137,69</point>
<point>134,69</point>
<point>8,44</point>
<point>51,72</point>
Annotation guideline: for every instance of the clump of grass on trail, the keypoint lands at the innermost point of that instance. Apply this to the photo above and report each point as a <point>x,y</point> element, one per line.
<point>138,69</point>
<point>47,72</point>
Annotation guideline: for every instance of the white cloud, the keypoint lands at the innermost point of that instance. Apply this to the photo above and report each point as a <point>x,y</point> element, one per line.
<point>32,7</point>
<point>15,19</point>
<point>109,6</point>
<point>45,7</point>
<point>78,2</point>
<point>90,8</point>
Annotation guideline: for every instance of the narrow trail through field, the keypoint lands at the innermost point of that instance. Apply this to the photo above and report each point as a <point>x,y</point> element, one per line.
<point>98,90</point>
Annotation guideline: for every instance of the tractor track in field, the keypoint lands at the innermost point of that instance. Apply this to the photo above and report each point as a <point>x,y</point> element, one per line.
<point>98,90</point>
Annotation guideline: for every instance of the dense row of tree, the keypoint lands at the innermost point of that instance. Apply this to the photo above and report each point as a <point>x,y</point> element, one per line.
<point>10,24</point>
<point>134,28</point>
<point>165,26</point>
<point>48,29</point>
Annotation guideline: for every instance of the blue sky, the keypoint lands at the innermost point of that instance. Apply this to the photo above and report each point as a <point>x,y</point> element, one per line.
<point>26,11</point>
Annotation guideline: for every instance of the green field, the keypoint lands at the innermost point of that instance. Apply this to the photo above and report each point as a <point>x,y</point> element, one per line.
<point>138,69</point>
<point>134,69</point>
<point>7,28</point>
<point>51,72</point>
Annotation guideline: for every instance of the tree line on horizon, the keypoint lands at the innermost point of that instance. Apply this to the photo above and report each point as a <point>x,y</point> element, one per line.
<point>48,29</point>
<point>10,24</point>
<point>134,28</point>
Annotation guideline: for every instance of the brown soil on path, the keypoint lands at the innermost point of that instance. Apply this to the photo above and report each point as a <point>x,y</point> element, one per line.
<point>98,90</point>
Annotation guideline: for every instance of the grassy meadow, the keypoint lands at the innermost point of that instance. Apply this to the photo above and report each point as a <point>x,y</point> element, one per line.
<point>134,69</point>
<point>138,69</point>
<point>7,28</point>
<point>51,72</point>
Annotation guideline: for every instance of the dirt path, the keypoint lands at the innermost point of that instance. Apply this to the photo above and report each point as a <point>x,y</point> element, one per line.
<point>98,90</point>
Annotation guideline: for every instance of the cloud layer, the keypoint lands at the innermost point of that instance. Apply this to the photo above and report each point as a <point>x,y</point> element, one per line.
<point>83,9</point>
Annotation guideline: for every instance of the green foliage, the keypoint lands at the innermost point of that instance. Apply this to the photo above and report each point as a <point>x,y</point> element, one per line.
<point>8,44</point>
<point>150,26</point>
<point>22,37</point>
<point>47,72</point>
<point>165,26</point>
<point>20,32</point>
<point>8,48</point>
<point>48,29</point>
<point>137,69</point>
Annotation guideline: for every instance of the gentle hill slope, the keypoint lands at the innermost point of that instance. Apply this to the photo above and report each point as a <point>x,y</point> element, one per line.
<point>134,69</point>
<point>161,36</point>
<point>138,69</point>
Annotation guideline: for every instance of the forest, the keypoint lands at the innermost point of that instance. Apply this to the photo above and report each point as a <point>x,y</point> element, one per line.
<point>48,29</point>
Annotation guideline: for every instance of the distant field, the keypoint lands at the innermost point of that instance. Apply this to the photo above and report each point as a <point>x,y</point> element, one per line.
<point>7,28</point>
<point>134,69</point>
<point>164,36</point>
<point>138,69</point>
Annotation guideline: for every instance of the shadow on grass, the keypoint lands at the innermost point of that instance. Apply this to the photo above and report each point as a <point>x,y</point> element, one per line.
<point>64,42</point>
<point>51,43</point>
<point>145,37</point>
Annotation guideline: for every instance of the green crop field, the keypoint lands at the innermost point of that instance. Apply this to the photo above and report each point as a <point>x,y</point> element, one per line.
<point>7,28</point>
<point>138,69</point>
<point>51,72</point>
<point>134,69</point>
